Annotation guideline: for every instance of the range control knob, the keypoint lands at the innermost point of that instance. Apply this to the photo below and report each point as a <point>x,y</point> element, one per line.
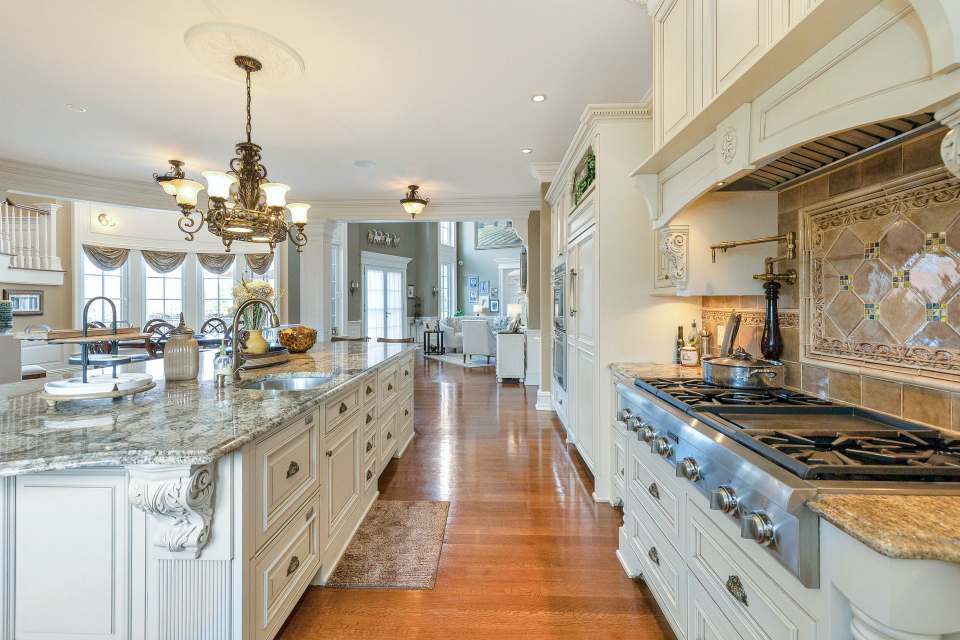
<point>662,447</point>
<point>634,424</point>
<point>689,469</point>
<point>646,433</point>
<point>724,498</point>
<point>625,414</point>
<point>758,527</point>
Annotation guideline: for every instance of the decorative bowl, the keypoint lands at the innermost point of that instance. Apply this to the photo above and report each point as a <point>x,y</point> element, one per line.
<point>298,338</point>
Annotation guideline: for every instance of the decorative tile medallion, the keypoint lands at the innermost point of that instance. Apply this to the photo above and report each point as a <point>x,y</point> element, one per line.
<point>935,242</point>
<point>936,312</point>
<point>901,280</point>
<point>909,283</point>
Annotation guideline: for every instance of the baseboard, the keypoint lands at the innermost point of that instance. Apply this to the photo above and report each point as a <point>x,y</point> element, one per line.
<point>544,401</point>
<point>330,561</point>
<point>626,567</point>
<point>403,447</point>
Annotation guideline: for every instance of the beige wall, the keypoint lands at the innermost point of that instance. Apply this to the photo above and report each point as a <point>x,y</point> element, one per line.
<point>533,270</point>
<point>546,292</point>
<point>57,301</point>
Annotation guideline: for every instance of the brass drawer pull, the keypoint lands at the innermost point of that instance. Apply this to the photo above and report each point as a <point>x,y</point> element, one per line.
<point>406,412</point>
<point>735,587</point>
<point>369,473</point>
<point>389,435</point>
<point>406,372</point>
<point>654,490</point>
<point>369,446</point>
<point>389,386</point>
<point>293,566</point>
<point>369,418</point>
<point>293,469</point>
<point>329,454</point>
<point>343,407</point>
<point>308,419</point>
<point>369,389</point>
<point>654,556</point>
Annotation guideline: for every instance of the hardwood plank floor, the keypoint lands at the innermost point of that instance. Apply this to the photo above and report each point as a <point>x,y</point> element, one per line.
<point>527,552</point>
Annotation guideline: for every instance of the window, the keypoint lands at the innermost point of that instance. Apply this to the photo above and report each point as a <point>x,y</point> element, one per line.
<point>163,294</point>
<point>110,284</point>
<point>336,293</point>
<point>270,276</point>
<point>217,293</point>
<point>446,299</point>
<point>448,233</point>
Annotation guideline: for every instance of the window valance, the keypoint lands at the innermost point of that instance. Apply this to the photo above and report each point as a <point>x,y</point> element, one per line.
<point>107,258</point>
<point>218,263</point>
<point>259,263</point>
<point>163,261</point>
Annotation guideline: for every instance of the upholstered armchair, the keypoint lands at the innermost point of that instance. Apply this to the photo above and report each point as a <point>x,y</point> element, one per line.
<point>478,338</point>
<point>452,336</point>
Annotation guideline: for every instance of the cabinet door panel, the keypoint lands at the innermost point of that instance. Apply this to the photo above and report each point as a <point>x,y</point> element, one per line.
<point>343,475</point>
<point>706,620</point>
<point>587,435</point>
<point>737,31</point>
<point>672,45</point>
<point>585,288</point>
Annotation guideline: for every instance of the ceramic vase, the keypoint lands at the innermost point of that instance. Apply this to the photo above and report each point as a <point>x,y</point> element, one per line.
<point>256,345</point>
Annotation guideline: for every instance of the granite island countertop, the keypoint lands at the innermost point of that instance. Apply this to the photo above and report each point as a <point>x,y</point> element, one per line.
<point>653,370</point>
<point>181,423</point>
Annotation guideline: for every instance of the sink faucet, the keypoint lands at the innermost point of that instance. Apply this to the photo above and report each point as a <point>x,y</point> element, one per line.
<point>274,323</point>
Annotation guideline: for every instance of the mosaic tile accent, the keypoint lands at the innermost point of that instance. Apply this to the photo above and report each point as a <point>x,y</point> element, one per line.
<point>935,242</point>
<point>936,312</point>
<point>883,296</point>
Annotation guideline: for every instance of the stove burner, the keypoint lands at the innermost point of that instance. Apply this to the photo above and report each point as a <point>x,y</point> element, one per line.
<point>749,398</point>
<point>899,448</point>
<point>700,394</point>
<point>681,383</point>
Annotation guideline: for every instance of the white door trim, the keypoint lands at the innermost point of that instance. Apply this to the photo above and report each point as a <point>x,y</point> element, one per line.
<point>391,263</point>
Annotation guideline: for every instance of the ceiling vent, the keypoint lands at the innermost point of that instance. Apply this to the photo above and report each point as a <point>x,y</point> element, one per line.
<point>833,151</point>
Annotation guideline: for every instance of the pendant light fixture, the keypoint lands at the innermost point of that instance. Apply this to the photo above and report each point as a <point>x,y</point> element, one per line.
<point>242,204</point>
<point>414,203</point>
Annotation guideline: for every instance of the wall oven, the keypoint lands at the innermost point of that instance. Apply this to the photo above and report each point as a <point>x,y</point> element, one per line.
<point>559,298</point>
<point>560,358</point>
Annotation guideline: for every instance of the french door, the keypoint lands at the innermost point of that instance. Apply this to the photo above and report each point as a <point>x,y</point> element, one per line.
<point>383,313</point>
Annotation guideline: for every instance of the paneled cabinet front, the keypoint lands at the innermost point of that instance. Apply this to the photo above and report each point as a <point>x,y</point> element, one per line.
<point>343,483</point>
<point>582,368</point>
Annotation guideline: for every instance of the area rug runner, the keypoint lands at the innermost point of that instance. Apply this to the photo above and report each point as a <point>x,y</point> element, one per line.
<point>396,547</point>
<point>471,363</point>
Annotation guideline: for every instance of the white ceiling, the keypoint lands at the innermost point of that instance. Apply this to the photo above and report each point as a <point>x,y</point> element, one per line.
<point>434,91</point>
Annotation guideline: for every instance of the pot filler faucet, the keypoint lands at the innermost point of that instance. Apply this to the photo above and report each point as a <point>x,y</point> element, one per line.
<point>771,343</point>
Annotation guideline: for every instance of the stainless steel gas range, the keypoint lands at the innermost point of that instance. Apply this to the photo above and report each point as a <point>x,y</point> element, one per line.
<point>759,456</point>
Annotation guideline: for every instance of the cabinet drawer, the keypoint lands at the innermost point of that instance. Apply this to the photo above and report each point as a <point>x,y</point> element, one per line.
<point>342,407</point>
<point>388,437</point>
<point>286,567</point>
<point>663,500</point>
<point>370,476</point>
<point>755,603</point>
<point>664,570</point>
<point>369,386</point>
<point>405,373</point>
<point>369,444</point>
<point>370,413</point>
<point>389,385</point>
<point>405,412</point>
<point>287,471</point>
<point>705,620</point>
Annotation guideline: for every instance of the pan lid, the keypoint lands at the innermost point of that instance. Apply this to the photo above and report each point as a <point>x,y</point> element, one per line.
<point>741,358</point>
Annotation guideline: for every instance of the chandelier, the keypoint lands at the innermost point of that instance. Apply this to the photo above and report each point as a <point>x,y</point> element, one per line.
<point>241,204</point>
<point>414,203</point>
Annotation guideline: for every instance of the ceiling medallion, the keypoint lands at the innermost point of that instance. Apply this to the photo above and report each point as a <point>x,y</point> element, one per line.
<point>241,204</point>
<point>414,203</point>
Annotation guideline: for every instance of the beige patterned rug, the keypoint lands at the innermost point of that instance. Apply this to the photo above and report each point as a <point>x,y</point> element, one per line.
<point>397,546</point>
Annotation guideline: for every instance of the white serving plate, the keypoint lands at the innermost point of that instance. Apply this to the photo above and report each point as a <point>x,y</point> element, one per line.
<point>97,384</point>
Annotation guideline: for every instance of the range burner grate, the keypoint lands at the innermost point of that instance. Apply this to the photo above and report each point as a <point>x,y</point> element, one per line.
<point>893,449</point>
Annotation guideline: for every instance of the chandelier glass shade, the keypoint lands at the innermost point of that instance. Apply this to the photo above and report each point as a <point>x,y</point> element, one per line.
<point>242,205</point>
<point>414,203</point>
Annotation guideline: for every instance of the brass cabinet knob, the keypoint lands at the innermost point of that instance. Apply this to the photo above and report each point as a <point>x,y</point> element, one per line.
<point>293,469</point>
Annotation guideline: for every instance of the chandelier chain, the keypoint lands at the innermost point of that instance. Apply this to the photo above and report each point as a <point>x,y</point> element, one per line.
<point>249,127</point>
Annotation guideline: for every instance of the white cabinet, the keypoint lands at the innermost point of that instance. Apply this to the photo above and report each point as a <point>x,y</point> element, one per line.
<point>673,63</point>
<point>511,356</point>
<point>343,483</point>
<point>582,338</point>
<point>705,620</point>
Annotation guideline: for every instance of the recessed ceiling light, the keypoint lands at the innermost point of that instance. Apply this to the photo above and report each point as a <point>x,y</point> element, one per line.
<point>364,164</point>
<point>76,108</point>
<point>526,151</point>
<point>538,97</point>
<point>721,183</point>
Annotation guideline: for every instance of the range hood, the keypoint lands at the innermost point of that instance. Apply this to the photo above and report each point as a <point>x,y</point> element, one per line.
<point>833,151</point>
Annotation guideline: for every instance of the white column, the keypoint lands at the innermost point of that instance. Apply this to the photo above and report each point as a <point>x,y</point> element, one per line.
<point>19,244</point>
<point>315,277</point>
<point>4,228</point>
<point>35,256</point>
<point>50,258</point>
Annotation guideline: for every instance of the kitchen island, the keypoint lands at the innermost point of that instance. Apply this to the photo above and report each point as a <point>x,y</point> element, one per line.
<point>192,511</point>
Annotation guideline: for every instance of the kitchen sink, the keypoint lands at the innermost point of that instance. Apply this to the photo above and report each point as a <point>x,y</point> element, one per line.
<point>286,383</point>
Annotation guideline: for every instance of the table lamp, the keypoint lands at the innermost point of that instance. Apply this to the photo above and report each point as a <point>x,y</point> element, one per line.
<point>478,309</point>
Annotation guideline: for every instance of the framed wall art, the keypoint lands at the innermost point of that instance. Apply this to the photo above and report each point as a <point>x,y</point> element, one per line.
<point>26,302</point>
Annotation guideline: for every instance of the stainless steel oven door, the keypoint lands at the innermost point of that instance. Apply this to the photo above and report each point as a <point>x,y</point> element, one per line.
<point>560,359</point>
<point>559,297</point>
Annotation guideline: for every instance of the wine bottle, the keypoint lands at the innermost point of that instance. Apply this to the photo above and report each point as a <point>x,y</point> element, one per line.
<point>678,346</point>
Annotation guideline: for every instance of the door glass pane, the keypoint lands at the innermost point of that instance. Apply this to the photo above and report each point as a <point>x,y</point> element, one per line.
<point>395,308</point>
<point>375,304</point>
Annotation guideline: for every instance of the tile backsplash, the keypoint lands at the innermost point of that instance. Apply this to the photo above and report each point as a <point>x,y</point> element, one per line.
<point>865,281</point>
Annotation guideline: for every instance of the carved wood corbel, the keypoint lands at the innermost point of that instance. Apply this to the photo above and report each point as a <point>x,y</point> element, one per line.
<point>180,499</point>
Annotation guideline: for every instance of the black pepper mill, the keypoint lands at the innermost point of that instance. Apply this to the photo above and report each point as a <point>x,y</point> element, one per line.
<point>771,343</point>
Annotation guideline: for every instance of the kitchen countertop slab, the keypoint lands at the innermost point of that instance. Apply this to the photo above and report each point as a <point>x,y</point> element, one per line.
<point>653,370</point>
<point>915,527</point>
<point>181,423</point>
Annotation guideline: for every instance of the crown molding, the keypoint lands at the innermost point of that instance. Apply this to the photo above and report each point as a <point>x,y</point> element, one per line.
<point>544,172</point>
<point>592,115</point>
<point>464,208</point>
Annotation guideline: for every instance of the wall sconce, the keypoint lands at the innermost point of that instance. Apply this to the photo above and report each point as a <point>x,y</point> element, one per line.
<point>106,221</point>
<point>354,287</point>
<point>436,290</point>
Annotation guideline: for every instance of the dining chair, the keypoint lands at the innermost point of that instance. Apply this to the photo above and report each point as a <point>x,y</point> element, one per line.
<point>396,340</point>
<point>349,339</point>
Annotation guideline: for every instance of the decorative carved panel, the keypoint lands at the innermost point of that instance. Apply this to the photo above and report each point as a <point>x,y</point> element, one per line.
<point>673,244</point>
<point>884,275</point>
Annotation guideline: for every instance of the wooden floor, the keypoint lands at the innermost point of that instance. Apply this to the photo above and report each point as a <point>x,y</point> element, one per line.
<point>527,552</point>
